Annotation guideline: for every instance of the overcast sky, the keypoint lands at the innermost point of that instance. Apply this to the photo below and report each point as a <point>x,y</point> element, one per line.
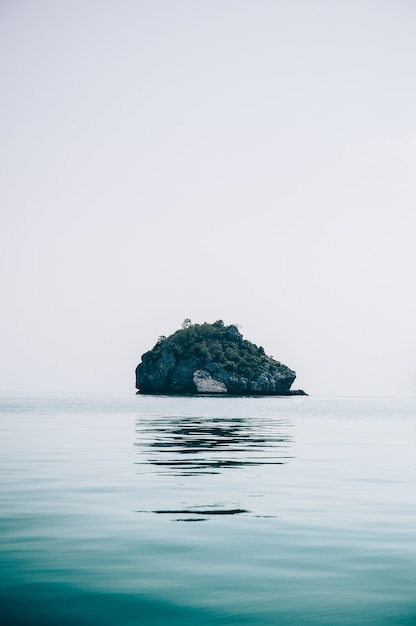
<point>252,161</point>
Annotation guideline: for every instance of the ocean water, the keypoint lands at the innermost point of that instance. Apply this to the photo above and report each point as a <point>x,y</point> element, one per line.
<point>140,510</point>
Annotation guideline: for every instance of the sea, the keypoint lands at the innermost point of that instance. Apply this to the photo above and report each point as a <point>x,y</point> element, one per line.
<point>131,510</point>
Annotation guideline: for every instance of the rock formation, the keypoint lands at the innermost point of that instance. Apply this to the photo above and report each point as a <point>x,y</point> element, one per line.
<point>211,359</point>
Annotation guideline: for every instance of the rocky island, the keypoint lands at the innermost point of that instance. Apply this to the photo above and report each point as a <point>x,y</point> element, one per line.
<point>211,359</point>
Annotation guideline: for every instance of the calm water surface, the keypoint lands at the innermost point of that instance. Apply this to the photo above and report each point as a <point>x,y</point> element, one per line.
<point>212,511</point>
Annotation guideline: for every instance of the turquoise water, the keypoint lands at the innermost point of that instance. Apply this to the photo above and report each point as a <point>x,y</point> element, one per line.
<point>212,511</point>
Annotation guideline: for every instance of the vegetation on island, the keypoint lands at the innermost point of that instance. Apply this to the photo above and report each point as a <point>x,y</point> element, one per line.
<point>220,344</point>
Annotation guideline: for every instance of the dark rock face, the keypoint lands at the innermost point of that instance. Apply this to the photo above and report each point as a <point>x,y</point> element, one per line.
<point>211,359</point>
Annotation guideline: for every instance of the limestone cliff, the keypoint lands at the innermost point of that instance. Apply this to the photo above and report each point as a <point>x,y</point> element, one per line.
<point>211,359</point>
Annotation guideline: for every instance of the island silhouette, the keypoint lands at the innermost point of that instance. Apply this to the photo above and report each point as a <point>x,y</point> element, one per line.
<point>212,359</point>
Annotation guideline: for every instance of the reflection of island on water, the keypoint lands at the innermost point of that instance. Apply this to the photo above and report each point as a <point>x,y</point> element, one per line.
<point>193,445</point>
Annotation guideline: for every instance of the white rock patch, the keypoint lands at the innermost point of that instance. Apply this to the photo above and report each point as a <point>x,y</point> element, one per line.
<point>206,384</point>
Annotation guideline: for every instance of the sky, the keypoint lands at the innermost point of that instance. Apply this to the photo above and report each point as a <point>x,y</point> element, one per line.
<point>251,161</point>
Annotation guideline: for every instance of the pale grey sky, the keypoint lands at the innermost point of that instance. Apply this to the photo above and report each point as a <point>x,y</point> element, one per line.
<point>252,161</point>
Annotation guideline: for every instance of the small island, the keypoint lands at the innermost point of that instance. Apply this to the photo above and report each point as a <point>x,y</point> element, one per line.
<point>211,359</point>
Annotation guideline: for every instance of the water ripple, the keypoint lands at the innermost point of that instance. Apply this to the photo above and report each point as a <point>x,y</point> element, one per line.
<point>211,443</point>
<point>171,447</point>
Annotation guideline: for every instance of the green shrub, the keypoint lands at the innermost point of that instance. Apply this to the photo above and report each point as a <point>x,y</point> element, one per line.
<point>220,344</point>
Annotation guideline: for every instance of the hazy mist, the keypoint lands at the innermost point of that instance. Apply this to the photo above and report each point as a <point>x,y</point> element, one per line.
<point>251,161</point>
